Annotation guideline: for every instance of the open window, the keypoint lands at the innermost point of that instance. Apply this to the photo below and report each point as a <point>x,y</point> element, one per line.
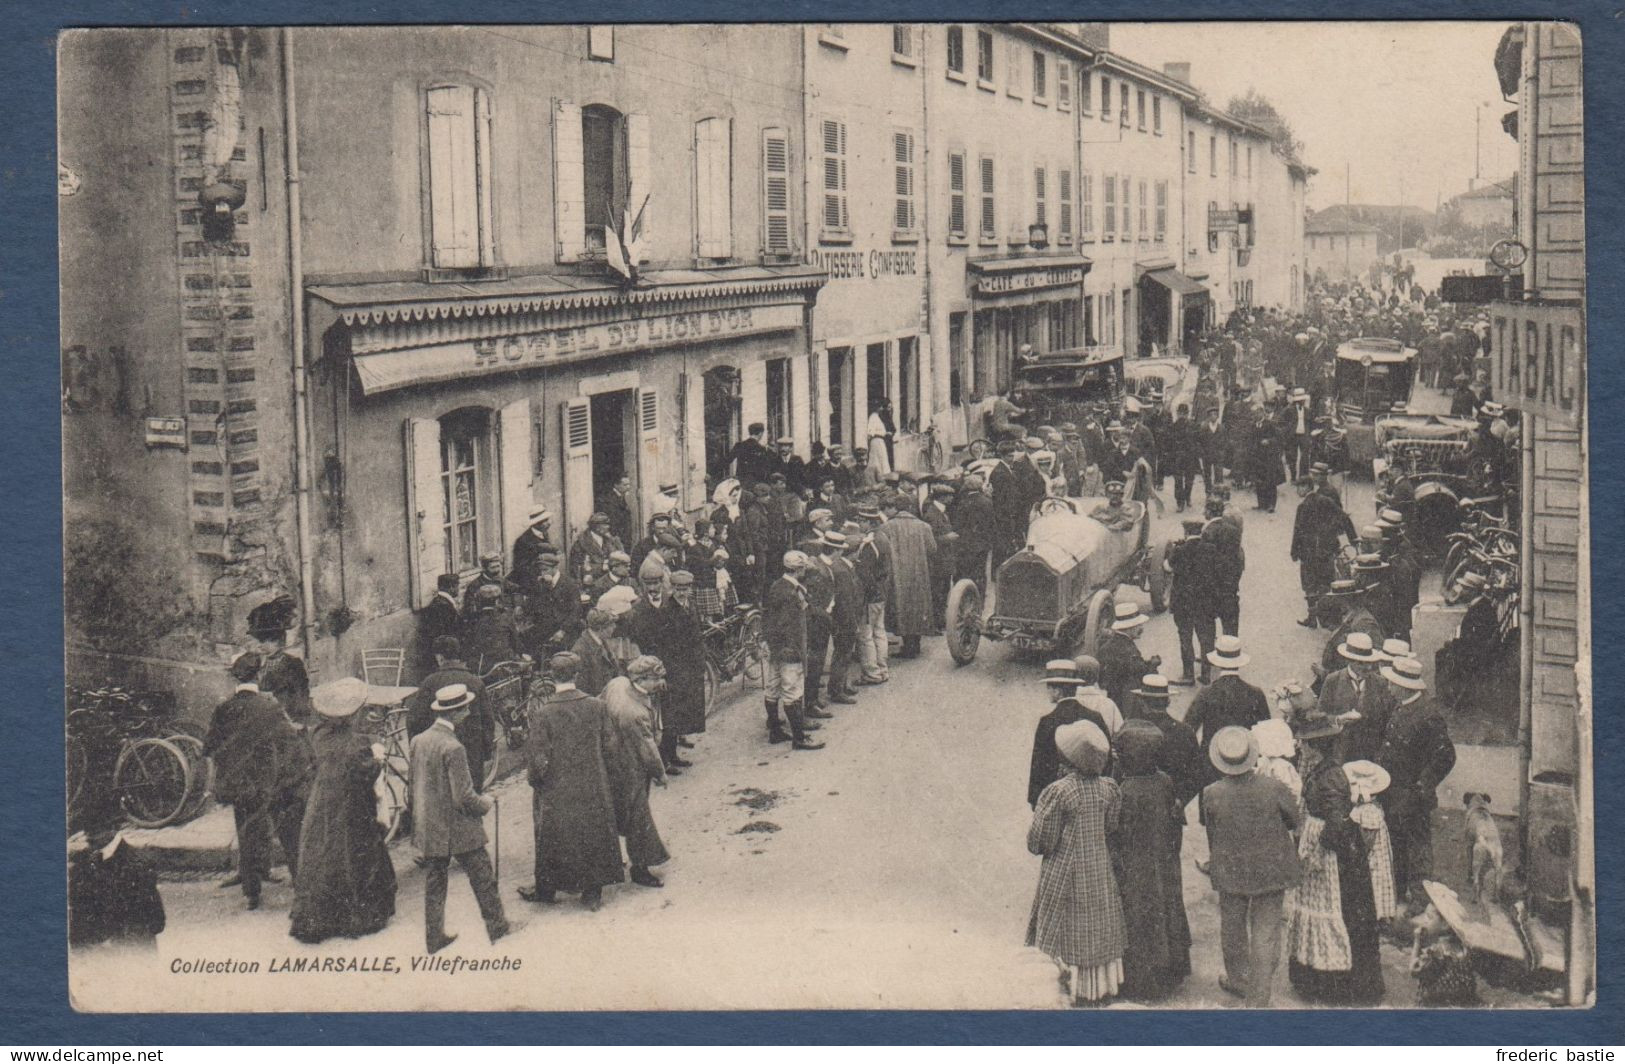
<point>601,161</point>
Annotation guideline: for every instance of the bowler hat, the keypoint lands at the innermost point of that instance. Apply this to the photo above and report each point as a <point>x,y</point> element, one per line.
<point>1233,751</point>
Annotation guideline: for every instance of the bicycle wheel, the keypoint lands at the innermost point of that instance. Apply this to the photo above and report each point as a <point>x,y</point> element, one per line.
<point>713,684</point>
<point>202,773</point>
<point>752,648</point>
<point>933,453</point>
<point>393,795</point>
<point>153,779</point>
<point>78,757</point>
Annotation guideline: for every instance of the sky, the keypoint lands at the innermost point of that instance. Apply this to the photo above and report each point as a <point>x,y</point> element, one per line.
<point>1391,102</point>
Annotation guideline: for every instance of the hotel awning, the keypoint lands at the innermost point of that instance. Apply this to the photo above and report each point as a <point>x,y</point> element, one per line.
<point>1184,287</point>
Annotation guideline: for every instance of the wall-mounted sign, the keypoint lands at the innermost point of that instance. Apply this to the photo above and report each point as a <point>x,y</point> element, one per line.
<point>1222,221</point>
<point>846,265</point>
<point>1538,354</point>
<point>1023,280</point>
<point>166,432</point>
<point>425,365</point>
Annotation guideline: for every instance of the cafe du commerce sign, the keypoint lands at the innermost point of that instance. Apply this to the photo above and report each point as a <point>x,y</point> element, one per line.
<point>1538,357</point>
<point>1024,280</point>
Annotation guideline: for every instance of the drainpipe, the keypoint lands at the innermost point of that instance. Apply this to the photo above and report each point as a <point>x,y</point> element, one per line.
<point>296,335</point>
<point>928,334</point>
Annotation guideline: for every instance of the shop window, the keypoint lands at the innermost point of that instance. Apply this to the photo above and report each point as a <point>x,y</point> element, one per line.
<point>1040,76</point>
<point>903,215</point>
<point>956,49</point>
<point>713,188</point>
<point>956,195</point>
<point>778,398</point>
<point>908,383</point>
<point>1065,181</point>
<point>467,510</point>
<point>777,225</point>
<point>836,220</point>
<point>461,235</point>
<point>988,219</point>
<point>982,355</point>
<point>984,57</point>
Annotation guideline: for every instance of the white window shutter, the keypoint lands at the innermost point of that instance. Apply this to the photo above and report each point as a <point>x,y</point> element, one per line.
<point>569,183</point>
<point>776,191</point>
<point>639,181</point>
<point>452,199</point>
<point>575,426</point>
<point>425,509</point>
<point>517,469</point>
<point>485,233</point>
<point>650,473</point>
<point>713,178</point>
<point>704,225</point>
<point>692,391</point>
<point>722,183</point>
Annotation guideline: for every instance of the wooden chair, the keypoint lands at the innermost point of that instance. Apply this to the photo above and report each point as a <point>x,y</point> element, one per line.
<point>383,668</point>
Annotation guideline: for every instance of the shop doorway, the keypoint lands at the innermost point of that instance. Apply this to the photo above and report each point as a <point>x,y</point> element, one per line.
<point>614,435</point>
<point>875,370</point>
<point>722,408</point>
<point>839,389</point>
<point>1156,308</point>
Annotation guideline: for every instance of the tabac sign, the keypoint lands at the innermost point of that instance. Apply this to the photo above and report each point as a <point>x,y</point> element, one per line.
<point>1538,355</point>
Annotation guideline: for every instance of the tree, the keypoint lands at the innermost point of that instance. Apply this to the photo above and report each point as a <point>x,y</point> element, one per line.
<point>1256,108</point>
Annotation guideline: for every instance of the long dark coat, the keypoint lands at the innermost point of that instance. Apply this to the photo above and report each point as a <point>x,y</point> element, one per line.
<point>577,845</point>
<point>1121,666</point>
<point>673,634</point>
<point>1181,452</point>
<point>1268,460</point>
<point>1227,701</point>
<point>598,664</point>
<point>257,753</point>
<point>913,548</point>
<point>346,883</point>
<point>634,764</point>
<point>1157,949</point>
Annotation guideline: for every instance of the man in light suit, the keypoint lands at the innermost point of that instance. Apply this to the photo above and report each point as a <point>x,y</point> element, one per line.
<point>446,814</point>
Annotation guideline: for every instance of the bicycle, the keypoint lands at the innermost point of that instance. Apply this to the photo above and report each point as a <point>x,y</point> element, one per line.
<point>734,647</point>
<point>931,451</point>
<point>159,774</point>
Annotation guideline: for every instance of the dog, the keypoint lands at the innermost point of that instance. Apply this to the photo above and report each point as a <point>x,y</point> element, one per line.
<point>1484,860</point>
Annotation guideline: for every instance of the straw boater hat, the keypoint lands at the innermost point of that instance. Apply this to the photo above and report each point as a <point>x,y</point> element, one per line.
<point>1273,738</point>
<point>452,697</point>
<point>1062,672</point>
<point>1127,616</point>
<point>1226,653</point>
<point>1153,687</point>
<point>1083,744</point>
<point>1357,646</point>
<point>1321,468</point>
<point>1406,673</point>
<point>1394,649</point>
<point>1342,589</point>
<point>1391,516</point>
<point>1233,751</point>
<point>339,698</point>
<point>538,514</point>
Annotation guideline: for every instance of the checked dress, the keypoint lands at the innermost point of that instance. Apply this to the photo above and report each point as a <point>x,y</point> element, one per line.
<point>1077,914</point>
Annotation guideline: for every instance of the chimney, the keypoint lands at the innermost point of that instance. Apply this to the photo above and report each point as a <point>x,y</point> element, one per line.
<point>1097,35</point>
<point>1178,71</point>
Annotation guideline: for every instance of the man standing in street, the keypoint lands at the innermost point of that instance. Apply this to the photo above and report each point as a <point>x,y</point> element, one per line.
<point>912,549</point>
<point>447,815</point>
<point>578,849</point>
<point>531,542</point>
<point>553,607</point>
<point>976,523</point>
<point>1009,509</point>
<point>846,611</point>
<point>1181,455</point>
<point>784,627</point>
<point>1121,663</point>
<point>441,617</point>
<point>1210,443</point>
<point>873,563</point>
<point>262,768</point>
<point>752,462</point>
<point>635,763</point>
<point>1418,754</point>
<point>1250,821</point>
<point>1193,563</point>
<point>819,582</point>
<point>589,554</point>
<point>1229,701</point>
<point>1316,528</point>
<point>1357,696</point>
<point>1223,532</point>
<point>476,728</point>
<point>935,514</point>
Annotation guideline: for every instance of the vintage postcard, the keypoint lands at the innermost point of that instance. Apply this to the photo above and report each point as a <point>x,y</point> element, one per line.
<point>808,516</point>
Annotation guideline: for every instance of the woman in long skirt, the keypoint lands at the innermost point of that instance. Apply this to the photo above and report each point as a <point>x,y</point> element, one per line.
<point>1332,933</point>
<point>1077,914</point>
<point>1367,779</point>
<point>346,884</point>
<point>1145,852</point>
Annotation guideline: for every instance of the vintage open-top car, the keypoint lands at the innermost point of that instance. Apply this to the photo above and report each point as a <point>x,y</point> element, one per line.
<point>1057,592</point>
